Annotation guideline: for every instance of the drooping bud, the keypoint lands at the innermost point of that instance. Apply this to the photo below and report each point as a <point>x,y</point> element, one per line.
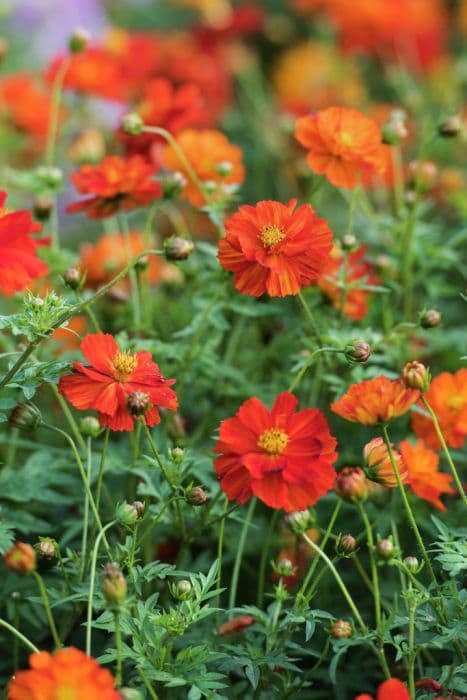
<point>79,40</point>
<point>358,351</point>
<point>20,558</point>
<point>25,416</point>
<point>132,124</point>
<point>181,590</point>
<point>46,548</point>
<point>430,318</point>
<point>196,496</point>
<point>346,545</point>
<point>178,248</point>
<point>42,207</point>
<point>416,376</point>
<point>73,278</point>
<point>385,549</point>
<point>451,127</point>
<point>378,465</point>
<point>341,629</point>
<point>351,484</point>
<point>412,564</point>
<point>138,403</point>
<point>299,521</point>
<point>90,426</point>
<point>114,584</point>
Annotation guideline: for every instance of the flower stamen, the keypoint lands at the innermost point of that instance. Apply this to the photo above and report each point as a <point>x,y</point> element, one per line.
<point>271,235</point>
<point>124,364</point>
<point>273,441</point>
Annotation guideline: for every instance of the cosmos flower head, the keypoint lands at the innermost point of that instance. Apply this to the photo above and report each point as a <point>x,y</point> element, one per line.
<point>425,478</point>
<point>447,397</point>
<point>375,401</point>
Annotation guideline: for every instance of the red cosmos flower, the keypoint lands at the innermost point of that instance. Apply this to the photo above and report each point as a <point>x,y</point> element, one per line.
<point>27,104</point>
<point>282,457</point>
<point>19,264</point>
<point>357,271</point>
<point>392,689</point>
<point>93,71</point>
<point>425,479</point>
<point>374,401</point>
<point>272,248</point>
<point>116,184</point>
<point>114,375</point>
<point>447,397</point>
<point>341,143</point>
<point>69,673</point>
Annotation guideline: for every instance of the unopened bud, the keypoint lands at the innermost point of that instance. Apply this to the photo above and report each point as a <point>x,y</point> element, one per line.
<point>46,548</point>
<point>177,454</point>
<point>351,484</point>
<point>50,176</point>
<point>430,318</point>
<point>358,351</point>
<point>177,248</point>
<point>142,264</point>
<point>299,521</point>
<point>422,175</point>
<point>181,590</point>
<point>114,584</point>
<point>90,426</point>
<point>378,463</point>
<point>341,629</point>
<point>138,403</point>
<point>79,40</point>
<point>20,558</point>
<point>42,208</point>
<point>394,131</point>
<point>224,168</point>
<point>346,544</point>
<point>196,496</point>
<point>128,513</point>
<point>412,564</point>
<point>451,127</point>
<point>173,184</point>
<point>385,549</point>
<point>25,416</point>
<point>132,124</point>
<point>349,242</point>
<point>284,567</point>
<point>416,376</point>
<point>73,278</point>
<point>130,694</point>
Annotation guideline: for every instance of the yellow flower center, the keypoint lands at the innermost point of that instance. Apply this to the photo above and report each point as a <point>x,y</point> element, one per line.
<point>456,402</point>
<point>271,235</point>
<point>66,692</point>
<point>273,441</point>
<point>346,139</point>
<point>125,364</point>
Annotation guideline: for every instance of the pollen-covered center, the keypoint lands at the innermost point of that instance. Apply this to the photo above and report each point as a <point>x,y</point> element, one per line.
<point>65,692</point>
<point>125,364</point>
<point>273,441</point>
<point>456,402</point>
<point>271,235</point>
<point>346,139</point>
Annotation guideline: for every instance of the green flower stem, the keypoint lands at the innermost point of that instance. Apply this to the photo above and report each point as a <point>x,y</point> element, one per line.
<point>69,417</point>
<point>440,435</point>
<point>83,477</point>
<point>16,622</point>
<point>12,447</point>
<point>48,612</point>
<point>118,648</point>
<point>264,559</point>
<point>305,599</point>
<point>308,364</point>
<point>55,110</point>
<point>84,540</point>
<point>339,581</point>
<point>220,549</point>
<point>27,643</point>
<point>239,555</point>
<point>132,274</point>
<point>407,260</point>
<point>149,687</point>
<point>407,507</point>
<point>310,317</point>
<point>412,607</point>
<point>100,474</point>
<point>398,169</point>
<point>93,319</point>
<point>374,568</point>
<point>92,581</point>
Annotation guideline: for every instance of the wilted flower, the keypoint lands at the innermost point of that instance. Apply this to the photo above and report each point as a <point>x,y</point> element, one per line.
<point>177,248</point>
<point>236,625</point>
<point>25,416</point>
<point>20,558</point>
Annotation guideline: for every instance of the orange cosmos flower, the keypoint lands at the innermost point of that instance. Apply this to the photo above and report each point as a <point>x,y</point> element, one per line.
<point>217,163</point>
<point>282,457</point>
<point>374,401</point>
<point>115,184</point>
<point>392,689</point>
<point>357,271</point>
<point>19,264</point>
<point>274,248</point>
<point>69,673</point>
<point>425,479</point>
<point>101,261</point>
<point>119,385</point>
<point>342,143</point>
<point>93,71</point>
<point>26,103</point>
<point>378,464</point>
<point>447,397</point>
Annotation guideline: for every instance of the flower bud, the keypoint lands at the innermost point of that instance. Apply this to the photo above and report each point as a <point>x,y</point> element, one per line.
<point>416,376</point>
<point>236,625</point>
<point>224,168</point>
<point>345,545</point>
<point>378,465</point>
<point>87,147</point>
<point>451,127</point>
<point>50,176</point>
<point>177,455</point>
<point>114,585</point>
<point>173,184</point>
<point>393,131</point>
<point>349,242</point>
<point>132,124</point>
<point>90,426</point>
<point>196,496</point>
<point>79,40</point>
<point>46,548</point>
<point>412,564</point>
<point>42,207</point>
<point>25,416</point>
<point>351,484</point>
<point>142,264</point>
<point>181,590</point>
<point>130,694</point>
<point>299,521</point>
<point>284,567</point>
<point>430,318</point>
<point>422,175</point>
<point>20,558</point>
<point>73,278</point>
<point>138,403</point>
<point>358,351</point>
<point>385,549</point>
<point>341,629</point>
<point>177,248</point>
<point>128,513</point>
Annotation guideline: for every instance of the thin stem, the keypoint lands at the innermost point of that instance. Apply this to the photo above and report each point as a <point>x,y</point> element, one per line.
<point>310,317</point>
<point>374,569</point>
<point>440,435</point>
<point>18,635</point>
<point>69,416</point>
<point>118,648</point>
<point>123,223</point>
<point>239,554</point>
<point>92,581</point>
<point>308,363</point>
<point>264,559</point>
<point>339,581</point>
<point>84,541</point>
<point>411,655</point>
<point>398,179</point>
<point>100,474</point>
<point>220,548</point>
<point>149,687</point>
<point>407,507</point>
<point>48,612</point>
